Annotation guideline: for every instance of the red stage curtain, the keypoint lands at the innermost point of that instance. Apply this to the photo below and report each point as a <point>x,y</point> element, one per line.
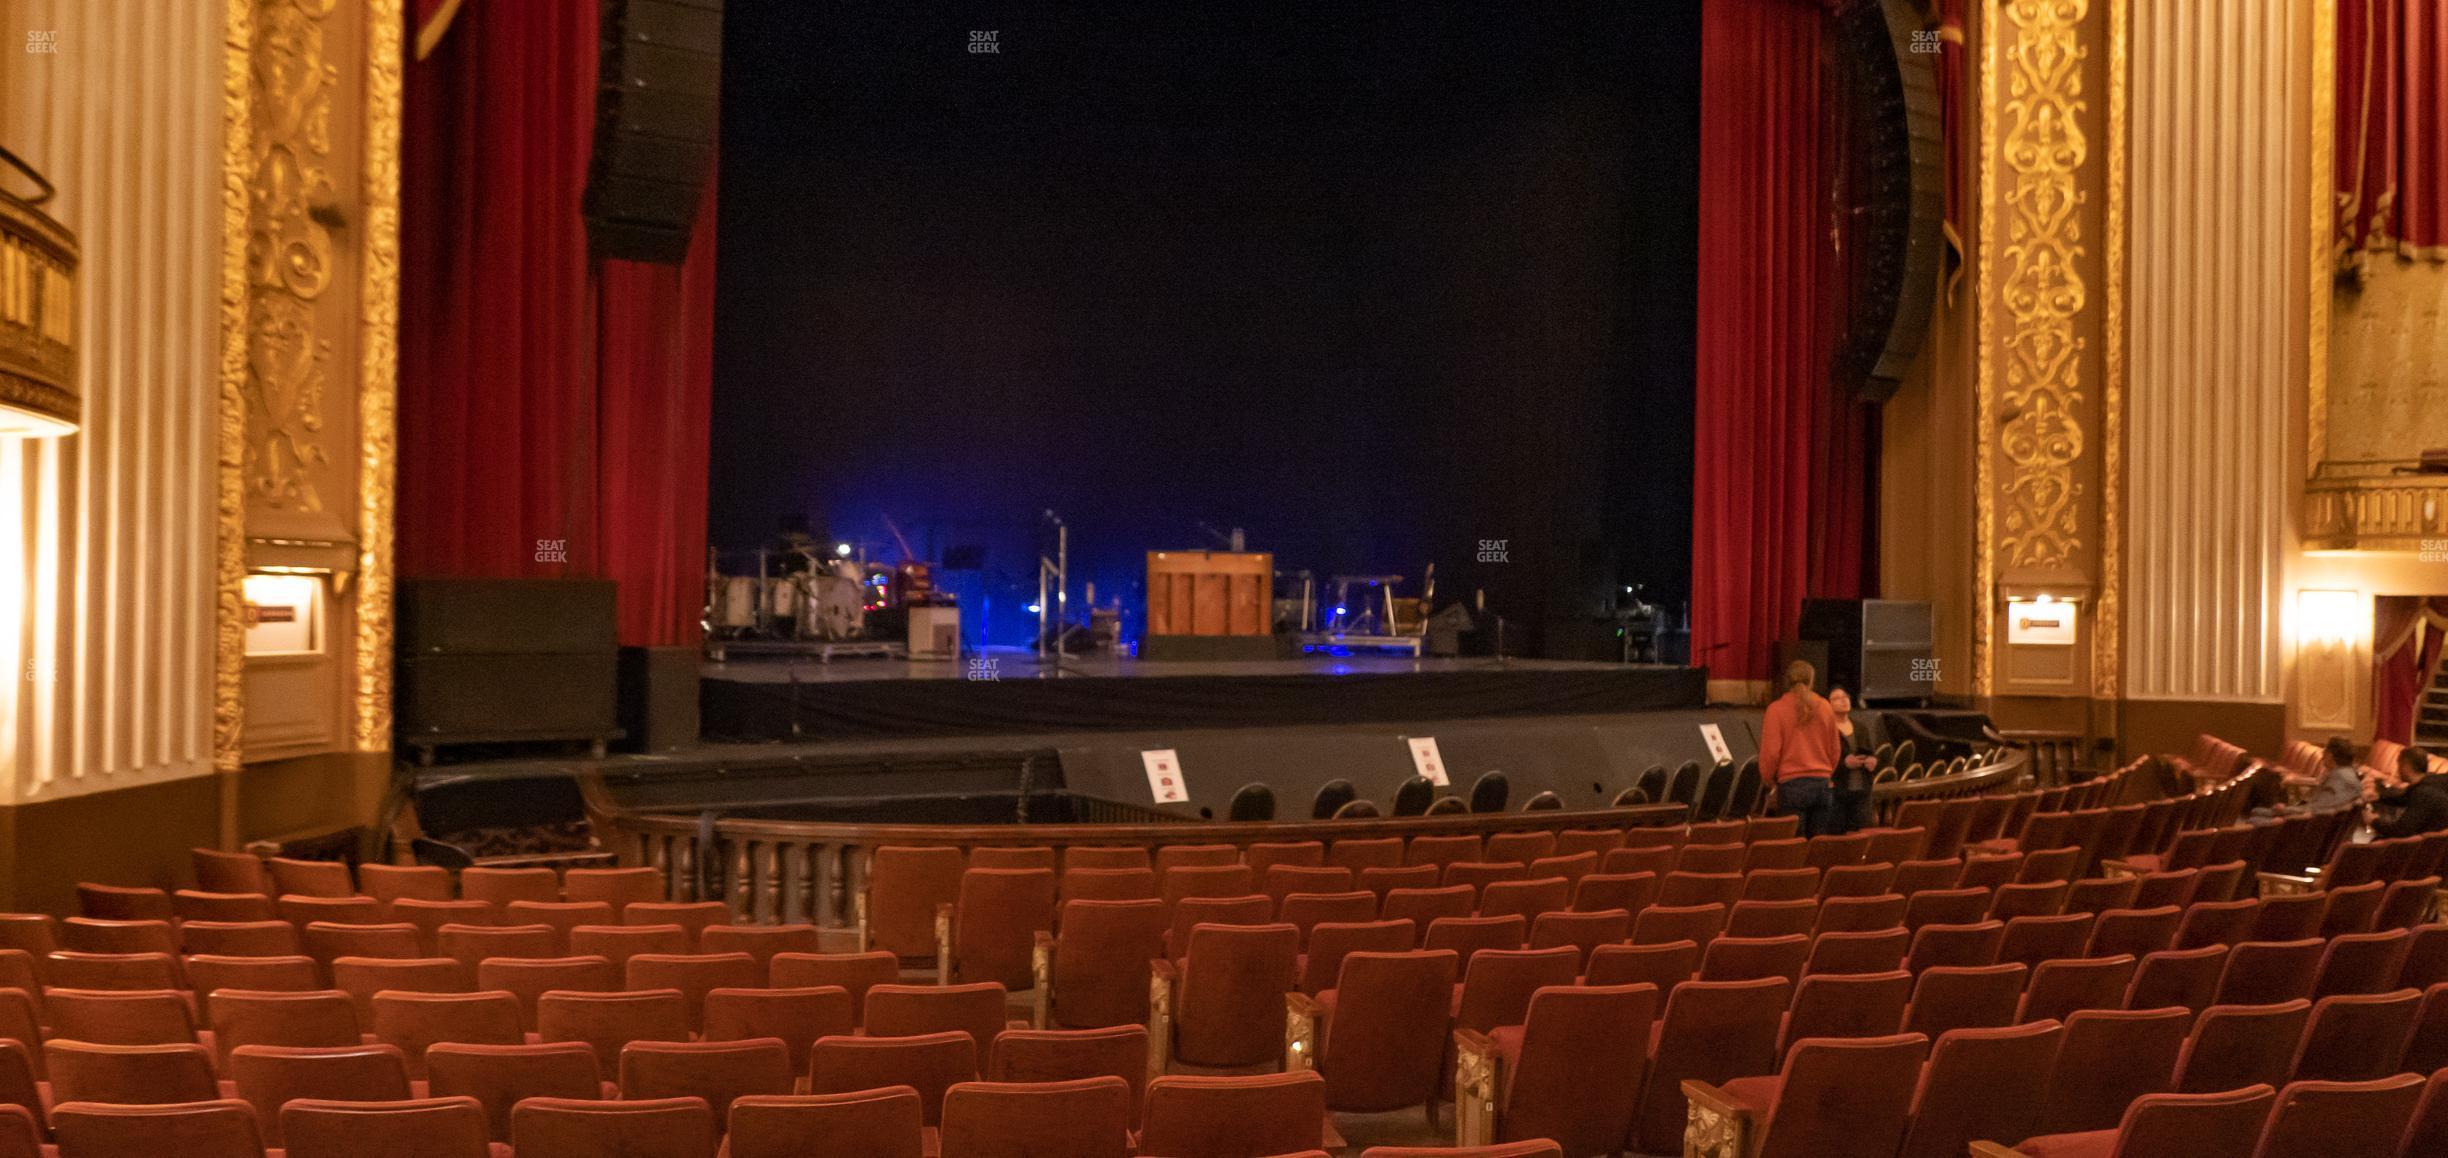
<point>553,418</point>
<point>1779,487</point>
<point>495,333</point>
<point>2392,127</point>
<point>2407,631</point>
<point>655,351</point>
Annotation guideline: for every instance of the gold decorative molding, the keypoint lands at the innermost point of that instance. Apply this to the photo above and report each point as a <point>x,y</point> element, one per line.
<point>2370,508</point>
<point>2106,609</point>
<point>1475,1083</point>
<point>237,196</point>
<point>378,374</point>
<point>1712,1126</point>
<point>2321,286</point>
<point>2037,427</point>
<point>289,320</point>
<point>38,350</point>
<point>2044,292</point>
<point>289,255</point>
<point>1984,360</point>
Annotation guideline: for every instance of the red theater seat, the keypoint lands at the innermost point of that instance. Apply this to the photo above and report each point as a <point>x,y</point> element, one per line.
<point>1234,1117</point>
<point>879,1123</point>
<point>1062,1055</point>
<point>499,1077</point>
<point>441,1127</point>
<point>605,1022</point>
<point>2316,1119</point>
<point>1846,1005</point>
<point>856,972</point>
<point>1099,963</point>
<point>224,1128</point>
<point>1979,1085</point>
<point>1089,1118</point>
<point>1711,1031</point>
<point>930,1064</point>
<point>2108,1058</point>
<point>2242,1045</point>
<point>714,1072</point>
<point>270,1077</point>
<point>1832,1097</point>
<point>1381,1031</point>
<point>589,1128</point>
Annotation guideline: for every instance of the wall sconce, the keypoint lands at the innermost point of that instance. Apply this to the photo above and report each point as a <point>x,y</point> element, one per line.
<point>2327,625</point>
<point>2044,619</point>
<point>285,610</point>
<point>2329,617</point>
<point>38,363</point>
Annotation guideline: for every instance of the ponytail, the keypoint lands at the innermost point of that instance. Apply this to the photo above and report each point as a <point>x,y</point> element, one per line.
<point>1799,678</point>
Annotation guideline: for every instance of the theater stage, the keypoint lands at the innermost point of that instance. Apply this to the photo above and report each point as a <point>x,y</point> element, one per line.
<point>880,740</point>
<point>1586,759</point>
<point>1006,690</point>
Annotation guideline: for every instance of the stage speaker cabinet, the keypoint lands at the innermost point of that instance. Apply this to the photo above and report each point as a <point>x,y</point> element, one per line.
<point>1890,188</point>
<point>496,660</point>
<point>658,96</point>
<point>1881,650</point>
<point>658,697</point>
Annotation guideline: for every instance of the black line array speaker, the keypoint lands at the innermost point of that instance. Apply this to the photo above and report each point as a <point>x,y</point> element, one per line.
<point>1881,650</point>
<point>658,96</point>
<point>1892,189</point>
<point>484,660</point>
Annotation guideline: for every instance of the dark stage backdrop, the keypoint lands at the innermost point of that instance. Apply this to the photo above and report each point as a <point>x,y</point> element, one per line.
<point>1373,281</point>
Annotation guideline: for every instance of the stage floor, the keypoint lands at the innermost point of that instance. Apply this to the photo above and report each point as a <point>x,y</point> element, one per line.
<point>1006,691</point>
<point>1019,663</point>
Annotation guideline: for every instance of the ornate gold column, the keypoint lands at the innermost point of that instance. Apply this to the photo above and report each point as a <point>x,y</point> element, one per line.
<point>309,362</point>
<point>2048,290</point>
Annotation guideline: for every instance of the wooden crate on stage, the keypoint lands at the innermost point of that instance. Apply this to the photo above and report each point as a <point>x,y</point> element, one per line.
<point>1210,605</point>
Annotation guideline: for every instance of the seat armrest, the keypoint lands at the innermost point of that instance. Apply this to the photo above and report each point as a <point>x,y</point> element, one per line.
<point>1163,982</point>
<point>1993,1150</point>
<point>2287,884</point>
<point>1041,977</point>
<point>1715,1125</point>
<point>1300,1032</point>
<point>943,944</point>
<point>1478,1079</point>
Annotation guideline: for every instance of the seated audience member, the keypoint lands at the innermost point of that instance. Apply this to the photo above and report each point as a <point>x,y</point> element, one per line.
<point>2422,805</point>
<point>2336,786</point>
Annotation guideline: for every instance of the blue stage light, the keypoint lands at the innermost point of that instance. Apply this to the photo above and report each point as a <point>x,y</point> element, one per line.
<point>1031,609</point>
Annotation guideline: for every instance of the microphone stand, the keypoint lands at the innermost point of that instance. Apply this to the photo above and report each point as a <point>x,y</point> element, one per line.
<point>1054,613</point>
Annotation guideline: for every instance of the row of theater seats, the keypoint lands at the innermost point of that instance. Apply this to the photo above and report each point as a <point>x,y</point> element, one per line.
<point>705,977</point>
<point>2352,863</point>
<point>975,911</point>
<point>1876,1097</point>
<point>906,884</point>
<point>1732,1017</point>
<point>1080,1118</point>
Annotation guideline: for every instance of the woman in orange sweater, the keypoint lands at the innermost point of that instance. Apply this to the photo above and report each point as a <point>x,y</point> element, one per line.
<point>1799,747</point>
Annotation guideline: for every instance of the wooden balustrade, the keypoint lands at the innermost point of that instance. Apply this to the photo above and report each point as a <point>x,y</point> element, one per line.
<point>807,872</point>
<point>2058,758</point>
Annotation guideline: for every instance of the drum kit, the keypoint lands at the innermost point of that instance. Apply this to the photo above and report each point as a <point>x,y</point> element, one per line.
<point>792,597</point>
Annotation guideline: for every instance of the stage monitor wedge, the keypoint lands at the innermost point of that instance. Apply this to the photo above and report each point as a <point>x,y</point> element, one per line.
<point>658,97</point>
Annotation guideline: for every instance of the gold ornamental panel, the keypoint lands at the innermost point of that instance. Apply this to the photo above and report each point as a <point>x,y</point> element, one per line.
<point>38,362</point>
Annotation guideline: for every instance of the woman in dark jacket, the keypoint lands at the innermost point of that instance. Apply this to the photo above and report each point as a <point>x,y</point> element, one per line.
<point>1856,766</point>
